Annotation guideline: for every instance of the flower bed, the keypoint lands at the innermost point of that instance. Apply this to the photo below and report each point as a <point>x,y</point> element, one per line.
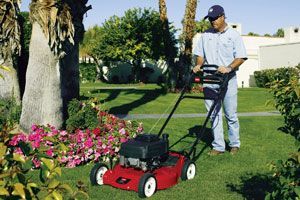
<point>82,146</point>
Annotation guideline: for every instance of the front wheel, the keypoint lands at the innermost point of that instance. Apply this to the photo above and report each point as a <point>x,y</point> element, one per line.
<point>97,173</point>
<point>147,185</point>
<point>188,171</point>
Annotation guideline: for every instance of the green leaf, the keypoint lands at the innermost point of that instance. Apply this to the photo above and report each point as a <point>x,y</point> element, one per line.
<point>32,185</point>
<point>53,184</point>
<point>25,147</point>
<point>50,139</point>
<point>49,163</point>
<point>297,190</point>
<point>66,187</point>
<point>21,178</point>
<point>27,165</point>
<point>3,192</point>
<point>19,190</point>
<point>57,170</point>
<point>18,157</point>
<point>57,195</point>
<point>81,195</point>
<point>3,149</point>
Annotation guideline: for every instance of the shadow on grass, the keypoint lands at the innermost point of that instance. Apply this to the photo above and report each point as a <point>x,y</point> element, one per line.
<point>186,142</point>
<point>148,96</point>
<point>254,186</point>
<point>205,137</point>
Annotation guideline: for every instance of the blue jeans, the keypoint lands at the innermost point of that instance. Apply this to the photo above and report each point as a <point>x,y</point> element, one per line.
<point>230,110</point>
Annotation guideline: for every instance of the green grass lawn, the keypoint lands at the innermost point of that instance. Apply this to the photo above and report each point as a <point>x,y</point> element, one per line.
<point>137,99</point>
<point>241,176</point>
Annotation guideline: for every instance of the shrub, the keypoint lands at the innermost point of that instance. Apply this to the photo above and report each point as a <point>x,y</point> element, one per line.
<point>10,113</point>
<point>287,177</point>
<point>83,114</point>
<point>88,72</point>
<point>16,161</point>
<point>265,77</point>
<point>286,93</point>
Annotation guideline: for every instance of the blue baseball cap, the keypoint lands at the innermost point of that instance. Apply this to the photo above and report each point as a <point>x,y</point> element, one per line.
<point>215,11</point>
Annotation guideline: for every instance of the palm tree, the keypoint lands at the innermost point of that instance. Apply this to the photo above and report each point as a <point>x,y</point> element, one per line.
<point>170,50</point>
<point>9,48</point>
<point>185,58</point>
<point>52,77</point>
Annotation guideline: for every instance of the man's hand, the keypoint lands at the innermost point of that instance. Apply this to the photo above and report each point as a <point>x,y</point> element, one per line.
<point>197,68</point>
<point>224,70</point>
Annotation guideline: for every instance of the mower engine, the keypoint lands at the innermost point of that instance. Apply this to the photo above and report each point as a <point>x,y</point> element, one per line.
<point>145,152</point>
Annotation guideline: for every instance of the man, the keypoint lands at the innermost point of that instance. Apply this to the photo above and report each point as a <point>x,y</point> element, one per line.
<point>222,46</point>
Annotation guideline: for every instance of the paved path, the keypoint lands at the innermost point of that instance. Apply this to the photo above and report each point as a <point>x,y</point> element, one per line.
<point>156,116</point>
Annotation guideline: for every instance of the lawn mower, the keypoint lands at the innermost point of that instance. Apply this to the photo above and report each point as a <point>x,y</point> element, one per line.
<point>146,162</point>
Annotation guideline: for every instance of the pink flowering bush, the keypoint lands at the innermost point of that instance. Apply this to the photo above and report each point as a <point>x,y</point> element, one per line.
<point>82,146</point>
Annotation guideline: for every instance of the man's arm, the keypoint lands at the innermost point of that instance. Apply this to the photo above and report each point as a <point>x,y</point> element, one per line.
<point>199,62</point>
<point>232,66</point>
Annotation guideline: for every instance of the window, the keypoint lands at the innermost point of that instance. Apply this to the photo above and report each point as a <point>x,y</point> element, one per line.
<point>296,30</point>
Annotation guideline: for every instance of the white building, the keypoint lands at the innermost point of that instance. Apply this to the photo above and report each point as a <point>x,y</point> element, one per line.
<point>266,53</point>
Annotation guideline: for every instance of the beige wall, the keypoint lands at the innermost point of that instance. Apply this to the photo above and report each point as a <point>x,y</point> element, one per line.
<point>276,56</point>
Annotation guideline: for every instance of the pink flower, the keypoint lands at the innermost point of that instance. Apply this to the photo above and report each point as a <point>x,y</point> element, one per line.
<point>50,153</point>
<point>36,163</point>
<point>34,127</point>
<point>122,140</point>
<point>17,138</point>
<point>122,131</point>
<point>63,133</point>
<point>88,143</point>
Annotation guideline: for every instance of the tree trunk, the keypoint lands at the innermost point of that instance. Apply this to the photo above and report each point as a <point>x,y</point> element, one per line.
<point>185,59</point>
<point>170,51</point>
<point>9,49</point>
<point>52,77</point>
<point>9,86</point>
<point>43,98</point>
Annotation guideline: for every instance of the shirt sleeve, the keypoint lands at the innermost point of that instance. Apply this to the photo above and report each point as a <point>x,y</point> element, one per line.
<point>240,50</point>
<point>198,50</point>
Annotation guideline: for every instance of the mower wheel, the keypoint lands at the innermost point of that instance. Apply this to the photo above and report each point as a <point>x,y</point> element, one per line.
<point>188,171</point>
<point>147,185</point>
<point>97,172</point>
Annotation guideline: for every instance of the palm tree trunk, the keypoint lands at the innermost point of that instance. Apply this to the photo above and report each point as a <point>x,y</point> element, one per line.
<point>170,51</point>
<point>42,100</point>
<point>185,59</point>
<point>52,77</point>
<point>9,85</point>
<point>9,49</point>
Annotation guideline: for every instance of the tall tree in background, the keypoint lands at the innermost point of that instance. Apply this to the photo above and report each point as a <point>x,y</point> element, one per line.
<point>9,48</point>
<point>133,38</point>
<point>169,45</point>
<point>52,77</point>
<point>202,26</point>
<point>185,59</point>
<point>89,45</point>
<point>279,33</point>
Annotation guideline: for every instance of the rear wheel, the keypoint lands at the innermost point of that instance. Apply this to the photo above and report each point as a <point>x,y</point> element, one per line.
<point>147,185</point>
<point>97,173</point>
<point>188,171</point>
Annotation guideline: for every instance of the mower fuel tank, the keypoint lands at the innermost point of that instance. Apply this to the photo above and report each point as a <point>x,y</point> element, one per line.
<point>145,146</point>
